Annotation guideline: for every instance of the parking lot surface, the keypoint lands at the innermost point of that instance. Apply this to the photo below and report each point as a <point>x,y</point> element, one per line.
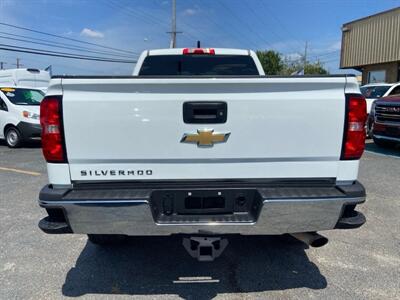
<point>356,264</point>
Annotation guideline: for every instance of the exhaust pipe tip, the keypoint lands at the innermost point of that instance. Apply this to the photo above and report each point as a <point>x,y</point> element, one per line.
<point>312,239</point>
<point>319,242</point>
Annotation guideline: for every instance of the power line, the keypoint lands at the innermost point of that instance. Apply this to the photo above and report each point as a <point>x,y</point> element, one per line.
<point>127,10</point>
<point>227,8</point>
<point>146,14</point>
<point>143,16</point>
<point>65,44</point>
<point>18,47</point>
<point>60,54</point>
<point>221,27</point>
<point>65,56</point>
<point>229,32</point>
<point>190,31</point>
<point>323,54</point>
<point>149,19</point>
<point>65,38</point>
<point>63,47</point>
<point>329,60</point>
<point>278,21</point>
<point>154,19</point>
<point>34,61</point>
<point>261,19</point>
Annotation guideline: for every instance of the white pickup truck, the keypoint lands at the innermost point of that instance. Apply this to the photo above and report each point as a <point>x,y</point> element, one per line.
<point>200,142</point>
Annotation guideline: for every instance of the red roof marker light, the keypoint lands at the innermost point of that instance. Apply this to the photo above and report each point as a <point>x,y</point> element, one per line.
<point>188,51</point>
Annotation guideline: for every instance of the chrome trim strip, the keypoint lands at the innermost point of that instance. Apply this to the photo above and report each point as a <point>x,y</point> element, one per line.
<point>202,160</point>
<point>394,124</point>
<point>386,115</point>
<point>383,137</point>
<point>80,202</point>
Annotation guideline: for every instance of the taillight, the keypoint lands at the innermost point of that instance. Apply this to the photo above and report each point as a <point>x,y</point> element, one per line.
<point>52,131</point>
<point>208,51</point>
<point>354,127</point>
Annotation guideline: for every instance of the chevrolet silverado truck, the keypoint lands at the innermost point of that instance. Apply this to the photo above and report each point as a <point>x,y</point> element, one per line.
<point>199,142</point>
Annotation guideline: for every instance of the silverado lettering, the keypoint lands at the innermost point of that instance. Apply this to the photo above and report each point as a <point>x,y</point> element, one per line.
<point>116,172</point>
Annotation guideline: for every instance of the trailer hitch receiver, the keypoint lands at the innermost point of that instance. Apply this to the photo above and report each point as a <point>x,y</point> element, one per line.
<point>205,248</point>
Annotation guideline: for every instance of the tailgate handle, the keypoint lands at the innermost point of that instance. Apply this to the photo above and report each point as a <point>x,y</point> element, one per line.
<point>205,112</point>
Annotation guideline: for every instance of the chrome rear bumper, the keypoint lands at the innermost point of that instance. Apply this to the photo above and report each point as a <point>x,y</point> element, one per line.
<point>129,211</point>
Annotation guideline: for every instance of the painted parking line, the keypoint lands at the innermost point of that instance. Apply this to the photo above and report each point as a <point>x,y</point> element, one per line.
<point>383,154</point>
<point>203,279</point>
<point>20,171</point>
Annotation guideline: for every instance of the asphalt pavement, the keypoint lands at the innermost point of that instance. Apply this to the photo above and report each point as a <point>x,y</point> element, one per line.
<point>356,264</point>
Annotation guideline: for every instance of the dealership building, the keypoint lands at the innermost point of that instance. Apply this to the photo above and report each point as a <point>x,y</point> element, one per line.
<point>371,45</point>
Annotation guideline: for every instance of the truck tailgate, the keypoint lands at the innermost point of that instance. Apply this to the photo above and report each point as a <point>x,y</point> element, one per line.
<point>131,128</point>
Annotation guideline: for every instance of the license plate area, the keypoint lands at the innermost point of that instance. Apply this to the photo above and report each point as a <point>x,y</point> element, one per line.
<point>392,131</point>
<point>201,205</point>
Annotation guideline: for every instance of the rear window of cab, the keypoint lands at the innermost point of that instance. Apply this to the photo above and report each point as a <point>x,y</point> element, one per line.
<point>198,65</point>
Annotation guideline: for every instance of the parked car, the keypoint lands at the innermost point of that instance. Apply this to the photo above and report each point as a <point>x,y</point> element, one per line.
<point>375,91</point>
<point>203,144</point>
<point>19,114</point>
<point>386,128</point>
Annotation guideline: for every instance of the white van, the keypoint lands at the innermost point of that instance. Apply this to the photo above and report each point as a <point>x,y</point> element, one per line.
<point>19,114</point>
<point>34,78</point>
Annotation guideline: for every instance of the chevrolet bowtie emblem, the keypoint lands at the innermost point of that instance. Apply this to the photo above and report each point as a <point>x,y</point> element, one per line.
<point>205,137</point>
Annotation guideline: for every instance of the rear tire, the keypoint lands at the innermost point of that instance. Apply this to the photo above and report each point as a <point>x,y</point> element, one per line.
<point>383,143</point>
<point>13,137</point>
<point>106,239</point>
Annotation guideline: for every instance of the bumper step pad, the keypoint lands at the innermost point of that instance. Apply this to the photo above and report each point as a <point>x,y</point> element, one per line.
<point>356,220</point>
<point>53,227</point>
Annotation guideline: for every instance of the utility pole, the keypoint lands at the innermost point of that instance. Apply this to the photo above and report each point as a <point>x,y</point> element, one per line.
<point>18,64</point>
<point>305,58</point>
<point>173,31</point>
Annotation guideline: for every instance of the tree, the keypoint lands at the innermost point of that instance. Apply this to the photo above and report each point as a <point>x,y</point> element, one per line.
<point>316,68</point>
<point>274,64</point>
<point>271,62</point>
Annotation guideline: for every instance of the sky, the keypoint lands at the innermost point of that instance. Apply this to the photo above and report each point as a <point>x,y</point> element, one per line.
<point>131,26</point>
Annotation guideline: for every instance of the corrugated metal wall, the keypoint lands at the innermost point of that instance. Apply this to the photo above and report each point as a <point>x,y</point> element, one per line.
<point>372,40</point>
